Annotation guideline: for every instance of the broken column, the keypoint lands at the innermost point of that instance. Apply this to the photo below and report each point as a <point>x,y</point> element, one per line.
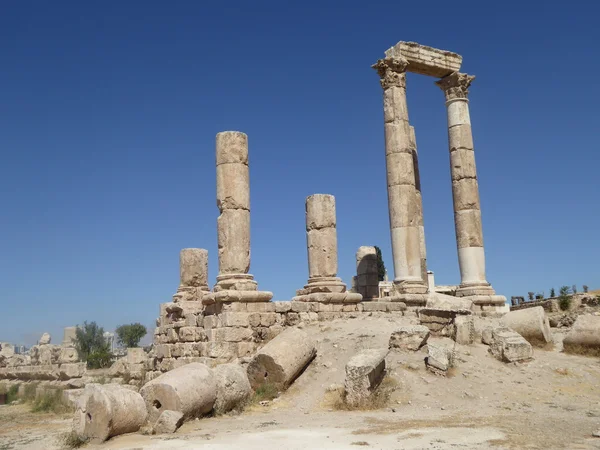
<point>364,372</point>
<point>109,410</point>
<point>321,239</point>
<point>465,190</point>
<point>193,275</point>
<point>531,323</point>
<point>282,359</point>
<point>234,283</point>
<point>190,389</point>
<point>401,181</point>
<point>367,273</point>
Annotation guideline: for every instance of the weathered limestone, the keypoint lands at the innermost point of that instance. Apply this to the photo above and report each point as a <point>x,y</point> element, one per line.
<point>233,224</point>
<point>584,337</point>
<point>364,372</point>
<point>282,359</point>
<point>190,389</point>
<point>233,387</point>
<point>401,179</point>
<point>108,410</point>
<point>426,60</point>
<point>193,275</point>
<point>321,239</point>
<point>465,191</point>
<point>530,323</point>
<point>69,335</point>
<point>509,346</point>
<point>441,321</point>
<point>440,357</point>
<point>168,422</point>
<point>420,222</point>
<point>7,350</point>
<point>45,339</point>
<point>409,337</point>
<point>464,330</point>
<point>367,273</point>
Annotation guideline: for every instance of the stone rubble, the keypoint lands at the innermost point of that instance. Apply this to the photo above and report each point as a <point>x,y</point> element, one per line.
<point>409,337</point>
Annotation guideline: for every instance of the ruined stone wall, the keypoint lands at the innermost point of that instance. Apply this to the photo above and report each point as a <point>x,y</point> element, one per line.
<point>219,333</point>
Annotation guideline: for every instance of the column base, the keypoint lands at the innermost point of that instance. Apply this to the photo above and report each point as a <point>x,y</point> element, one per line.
<point>416,286</point>
<point>408,299</point>
<point>235,282</point>
<point>322,284</point>
<point>471,289</point>
<point>231,295</point>
<point>329,297</point>
<point>190,293</point>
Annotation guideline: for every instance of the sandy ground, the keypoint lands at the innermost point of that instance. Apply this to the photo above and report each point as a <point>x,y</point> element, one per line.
<point>552,402</point>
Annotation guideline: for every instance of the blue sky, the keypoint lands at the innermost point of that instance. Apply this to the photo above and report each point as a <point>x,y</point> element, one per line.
<point>109,112</point>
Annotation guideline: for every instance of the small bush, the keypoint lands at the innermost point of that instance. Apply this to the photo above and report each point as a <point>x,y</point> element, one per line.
<point>265,391</point>
<point>377,400</point>
<point>71,440</point>
<point>585,289</point>
<point>564,299</point>
<point>50,402</point>
<point>576,349</point>
<point>13,393</point>
<point>530,296</point>
<point>29,392</point>
<point>552,293</point>
<point>99,359</point>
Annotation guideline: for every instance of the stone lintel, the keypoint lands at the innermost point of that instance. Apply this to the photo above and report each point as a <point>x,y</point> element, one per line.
<point>230,295</point>
<point>426,60</point>
<point>329,297</point>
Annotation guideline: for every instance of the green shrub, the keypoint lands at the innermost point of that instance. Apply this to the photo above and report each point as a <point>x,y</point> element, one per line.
<point>131,335</point>
<point>99,359</point>
<point>50,401</point>
<point>564,299</point>
<point>29,392</point>
<point>552,293</point>
<point>71,440</point>
<point>13,393</point>
<point>91,345</point>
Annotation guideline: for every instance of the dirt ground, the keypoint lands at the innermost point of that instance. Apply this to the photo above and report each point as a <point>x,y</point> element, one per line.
<point>551,402</point>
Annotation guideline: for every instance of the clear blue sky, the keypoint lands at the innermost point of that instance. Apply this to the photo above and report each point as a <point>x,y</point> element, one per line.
<point>108,116</point>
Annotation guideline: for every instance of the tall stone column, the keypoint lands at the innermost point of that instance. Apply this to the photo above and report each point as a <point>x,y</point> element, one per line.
<point>321,239</point>
<point>193,275</point>
<point>402,197</point>
<point>420,220</point>
<point>465,189</point>
<point>234,283</point>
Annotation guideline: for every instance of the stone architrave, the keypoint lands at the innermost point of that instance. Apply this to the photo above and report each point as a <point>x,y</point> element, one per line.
<point>367,274</point>
<point>234,283</point>
<point>193,275</point>
<point>321,238</point>
<point>465,191</point>
<point>401,181</point>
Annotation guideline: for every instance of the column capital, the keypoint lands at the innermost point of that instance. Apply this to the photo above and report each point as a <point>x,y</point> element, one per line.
<point>456,85</point>
<point>392,72</point>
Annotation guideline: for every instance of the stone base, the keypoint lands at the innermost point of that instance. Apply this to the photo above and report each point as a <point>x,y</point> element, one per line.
<point>231,295</point>
<point>329,297</point>
<point>323,284</point>
<point>236,282</point>
<point>410,287</point>
<point>190,294</point>
<point>470,290</point>
<point>408,299</point>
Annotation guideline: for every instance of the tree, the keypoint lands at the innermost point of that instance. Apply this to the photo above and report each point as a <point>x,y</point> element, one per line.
<point>585,289</point>
<point>574,289</point>
<point>380,265</point>
<point>564,299</point>
<point>530,295</point>
<point>131,335</point>
<point>552,293</point>
<point>91,346</point>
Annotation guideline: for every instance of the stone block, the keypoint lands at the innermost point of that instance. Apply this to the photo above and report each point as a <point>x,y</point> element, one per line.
<point>300,306</point>
<point>364,373</point>
<point>282,307</point>
<point>168,422</point>
<point>223,350</point>
<point>268,319</point>
<point>72,370</point>
<point>68,354</point>
<point>193,267</point>
<point>233,334</point>
<point>509,346</point>
<point>136,355</point>
<point>395,306</point>
<point>531,323</point>
<point>374,306</point>
<point>262,307</point>
<point>426,60</point>
<point>464,330</point>
<point>584,336</point>
<point>235,319</point>
<point>409,337</point>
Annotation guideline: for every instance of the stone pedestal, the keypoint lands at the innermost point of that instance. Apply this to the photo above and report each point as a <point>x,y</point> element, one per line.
<point>401,181</point>
<point>234,283</point>
<point>193,275</point>
<point>367,275</point>
<point>465,193</point>
<point>321,237</point>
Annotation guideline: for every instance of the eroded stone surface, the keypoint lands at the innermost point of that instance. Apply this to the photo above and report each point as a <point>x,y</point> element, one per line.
<point>364,373</point>
<point>409,337</point>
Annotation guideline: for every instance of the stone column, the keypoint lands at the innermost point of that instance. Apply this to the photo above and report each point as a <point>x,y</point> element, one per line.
<point>402,197</point>
<point>193,275</point>
<point>367,274</point>
<point>321,239</point>
<point>465,190</point>
<point>234,283</point>
<point>420,220</point>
